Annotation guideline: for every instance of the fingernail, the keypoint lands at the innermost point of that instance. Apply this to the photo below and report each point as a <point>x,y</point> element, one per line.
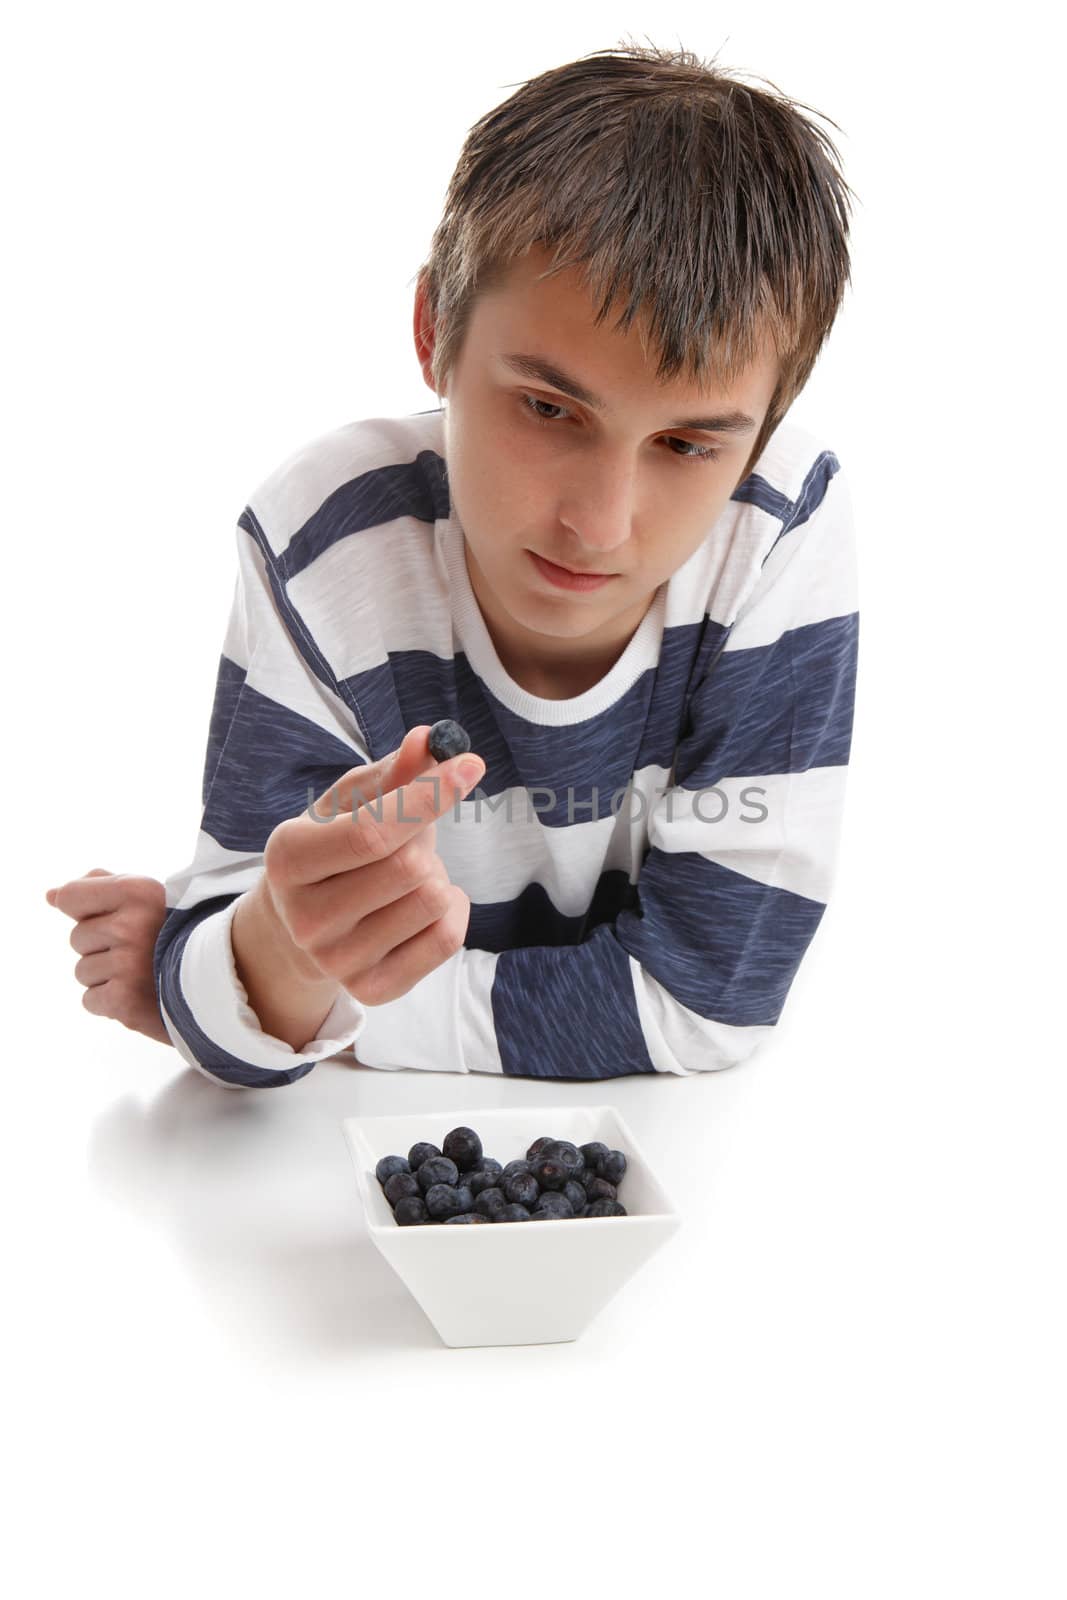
<point>470,772</point>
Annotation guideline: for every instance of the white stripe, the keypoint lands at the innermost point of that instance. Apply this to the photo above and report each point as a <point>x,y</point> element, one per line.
<point>221,1010</point>
<point>277,669</point>
<point>793,847</point>
<point>494,859</point>
<point>290,495</point>
<point>213,871</point>
<point>447,1028</point>
<point>364,603</point>
<point>679,1040</point>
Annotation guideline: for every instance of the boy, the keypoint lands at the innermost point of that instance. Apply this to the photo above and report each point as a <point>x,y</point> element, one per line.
<point>638,263</point>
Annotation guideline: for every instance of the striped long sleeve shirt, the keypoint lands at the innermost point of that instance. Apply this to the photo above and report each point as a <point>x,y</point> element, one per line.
<point>646,862</point>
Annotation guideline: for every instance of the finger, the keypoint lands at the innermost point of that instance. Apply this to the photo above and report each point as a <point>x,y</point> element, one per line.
<point>393,771</point>
<point>377,935</point>
<point>98,1000</point>
<point>97,892</point>
<point>342,932</point>
<point>376,777</point>
<point>409,962</point>
<point>92,934</point>
<point>320,915</point>
<point>378,827</point>
<point>95,969</point>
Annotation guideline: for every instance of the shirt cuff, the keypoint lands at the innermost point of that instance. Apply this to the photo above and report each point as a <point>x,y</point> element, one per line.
<point>218,1002</point>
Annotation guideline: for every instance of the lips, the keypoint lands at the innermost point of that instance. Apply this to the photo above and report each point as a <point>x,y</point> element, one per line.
<point>565,579</point>
<point>578,572</point>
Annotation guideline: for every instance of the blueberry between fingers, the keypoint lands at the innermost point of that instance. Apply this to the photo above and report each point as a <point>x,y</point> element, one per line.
<point>447,739</point>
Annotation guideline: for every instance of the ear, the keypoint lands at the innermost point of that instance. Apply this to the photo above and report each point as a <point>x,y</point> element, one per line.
<point>423,328</point>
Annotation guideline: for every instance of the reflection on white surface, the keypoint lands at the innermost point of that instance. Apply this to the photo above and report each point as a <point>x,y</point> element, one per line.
<point>258,1195</point>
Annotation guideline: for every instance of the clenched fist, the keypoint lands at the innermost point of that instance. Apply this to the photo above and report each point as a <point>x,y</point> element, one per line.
<point>117,918</point>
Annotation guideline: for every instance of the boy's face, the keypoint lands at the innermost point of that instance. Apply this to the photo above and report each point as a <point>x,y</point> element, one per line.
<point>617,488</point>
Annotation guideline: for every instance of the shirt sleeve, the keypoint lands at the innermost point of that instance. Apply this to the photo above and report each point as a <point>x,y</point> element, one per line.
<point>742,850</point>
<point>273,692</point>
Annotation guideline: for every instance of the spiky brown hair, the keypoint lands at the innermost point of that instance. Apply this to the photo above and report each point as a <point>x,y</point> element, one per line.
<point>712,207</point>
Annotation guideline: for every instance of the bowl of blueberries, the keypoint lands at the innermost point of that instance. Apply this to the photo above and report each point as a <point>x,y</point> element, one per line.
<point>514,1227</point>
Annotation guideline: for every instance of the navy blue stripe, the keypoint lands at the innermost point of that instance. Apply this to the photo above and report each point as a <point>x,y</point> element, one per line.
<point>641,729</point>
<point>271,758</point>
<point>533,919</point>
<point>568,1013</point>
<point>811,496</point>
<point>166,965</point>
<point>778,708</point>
<point>228,684</point>
<point>724,945</point>
<point>417,489</point>
<point>374,498</point>
<point>782,707</point>
<point>756,491</point>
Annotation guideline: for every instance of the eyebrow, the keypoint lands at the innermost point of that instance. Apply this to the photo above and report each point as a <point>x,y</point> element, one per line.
<point>530,366</point>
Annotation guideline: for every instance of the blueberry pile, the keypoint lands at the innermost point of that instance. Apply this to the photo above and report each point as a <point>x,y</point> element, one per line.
<point>458,1183</point>
<point>447,739</point>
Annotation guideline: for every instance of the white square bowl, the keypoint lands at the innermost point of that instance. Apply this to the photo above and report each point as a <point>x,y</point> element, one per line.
<point>513,1282</point>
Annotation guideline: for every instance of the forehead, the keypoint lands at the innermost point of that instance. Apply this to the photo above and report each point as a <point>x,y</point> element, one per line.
<point>555,318</point>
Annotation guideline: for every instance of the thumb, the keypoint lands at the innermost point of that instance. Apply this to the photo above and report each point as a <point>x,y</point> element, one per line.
<point>94,872</point>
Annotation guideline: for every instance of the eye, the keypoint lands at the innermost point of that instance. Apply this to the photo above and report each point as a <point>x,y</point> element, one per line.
<point>689,451</point>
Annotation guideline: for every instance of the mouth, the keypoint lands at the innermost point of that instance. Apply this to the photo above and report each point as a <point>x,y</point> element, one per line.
<point>579,572</point>
<point>572,578</point>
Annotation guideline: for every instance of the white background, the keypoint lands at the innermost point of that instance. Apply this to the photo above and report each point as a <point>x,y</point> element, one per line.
<point>850,1379</point>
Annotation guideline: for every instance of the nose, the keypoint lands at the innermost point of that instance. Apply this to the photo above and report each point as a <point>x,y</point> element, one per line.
<point>598,504</point>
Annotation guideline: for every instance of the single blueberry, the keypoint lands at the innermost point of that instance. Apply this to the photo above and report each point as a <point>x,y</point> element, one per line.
<point>442,1201</point>
<point>604,1208</point>
<point>537,1146</point>
<point>553,1203</point>
<point>489,1202</point>
<point>466,1198</point>
<point>551,1174</point>
<point>390,1164</point>
<point>565,1153</point>
<point>421,1152</point>
<point>521,1189</point>
<point>464,1147</point>
<point>485,1177</point>
<point>438,1169</point>
<point>410,1210</point>
<point>399,1185</point>
<point>594,1154</point>
<point>613,1166</point>
<point>447,739</point>
<point>512,1168</point>
<point>512,1213</point>
<point>576,1195</point>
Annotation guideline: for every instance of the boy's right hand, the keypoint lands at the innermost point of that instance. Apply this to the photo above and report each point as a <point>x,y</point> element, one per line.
<point>368,902</point>
<point>117,917</point>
